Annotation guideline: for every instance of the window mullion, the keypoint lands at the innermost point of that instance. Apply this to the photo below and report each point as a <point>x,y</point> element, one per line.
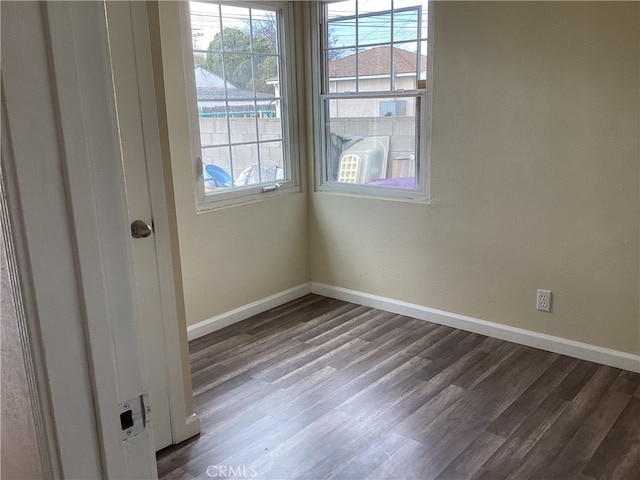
<point>357,42</point>
<point>255,95</point>
<point>226,92</point>
<point>392,69</point>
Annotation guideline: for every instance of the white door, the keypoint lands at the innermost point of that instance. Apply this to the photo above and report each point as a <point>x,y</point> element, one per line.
<point>125,77</point>
<point>146,201</point>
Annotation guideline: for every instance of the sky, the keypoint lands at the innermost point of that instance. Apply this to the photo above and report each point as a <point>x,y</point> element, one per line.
<point>205,21</point>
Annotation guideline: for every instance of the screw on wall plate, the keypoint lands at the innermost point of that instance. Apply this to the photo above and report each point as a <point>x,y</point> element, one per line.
<point>125,406</point>
<point>129,432</point>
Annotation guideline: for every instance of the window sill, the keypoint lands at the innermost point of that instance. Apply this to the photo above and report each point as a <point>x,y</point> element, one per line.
<point>213,202</point>
<point>375,193</point>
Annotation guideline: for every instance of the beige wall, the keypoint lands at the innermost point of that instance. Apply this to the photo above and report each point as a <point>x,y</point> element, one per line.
<point>534,181</point>
<point>233,256</point>
<point>534,178</point>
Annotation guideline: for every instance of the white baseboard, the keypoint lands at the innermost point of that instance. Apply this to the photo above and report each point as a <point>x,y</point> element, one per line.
<point>571,348</point>
<point>212,324</point>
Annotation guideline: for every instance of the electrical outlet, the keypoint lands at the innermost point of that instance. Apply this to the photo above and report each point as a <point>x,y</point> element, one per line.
<point>544,300</point>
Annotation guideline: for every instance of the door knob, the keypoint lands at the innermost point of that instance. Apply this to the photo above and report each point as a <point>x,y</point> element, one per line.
<point>140,229</point>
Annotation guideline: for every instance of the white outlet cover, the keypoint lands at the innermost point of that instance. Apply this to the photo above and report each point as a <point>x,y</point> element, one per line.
<point>543,300</point>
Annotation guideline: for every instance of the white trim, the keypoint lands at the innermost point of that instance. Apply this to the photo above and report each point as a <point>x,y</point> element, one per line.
<point>212,324</point>
<point>571,348</point>
<point>372,77</point>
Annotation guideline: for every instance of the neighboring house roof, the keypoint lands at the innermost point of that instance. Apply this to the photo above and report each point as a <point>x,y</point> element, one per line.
<point>206,78</point>
<point>210,86</point>
<point>376,62</point>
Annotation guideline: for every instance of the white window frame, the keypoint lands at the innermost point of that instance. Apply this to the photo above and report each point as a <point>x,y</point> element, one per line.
<point>261,191</point>
<point>423,136</point>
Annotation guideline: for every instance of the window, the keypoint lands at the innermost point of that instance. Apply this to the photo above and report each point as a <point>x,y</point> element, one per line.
<point>393,108</point>
<point>373,98</point>
<point>242,101</point>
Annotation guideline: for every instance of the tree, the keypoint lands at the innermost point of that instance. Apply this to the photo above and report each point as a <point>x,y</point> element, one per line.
<point>199,59</point>
<point>336,54</point>
<point>238,64</point>
<point>265,28</point>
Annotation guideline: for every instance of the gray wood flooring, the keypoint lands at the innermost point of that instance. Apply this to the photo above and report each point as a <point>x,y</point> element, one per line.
<point>325,389</point>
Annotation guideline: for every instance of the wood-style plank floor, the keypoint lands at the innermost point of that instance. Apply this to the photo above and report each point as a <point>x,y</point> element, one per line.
<point>325,389</point>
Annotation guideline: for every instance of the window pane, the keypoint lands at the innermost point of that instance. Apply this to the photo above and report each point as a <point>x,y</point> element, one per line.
<point>264,30</point>
<point>213,128</point>
<point>237,71</point>
<point>245,161</point>
<point>342,70</point>
<point>374,29</point>
<point>205,76</point>
<point>423,60</point>
<point>405,58</point>
<point>242,121</point>
<point>368,6</point>
<point>210,96</point>
<point>235,30</point>
<point>271,162</point>
<point>341,9</point>
<point>213,72</point>
<point>374,69</point>
<point>217,168</point>
<point>370,144</point>
<point>271,156</point>
<point>421,7</point>
<point>265,69</point>
<point>342,33</point>
<point>405,25</point>
<point>205,25</point>
<point>269,127</point>
<point>399,4</point>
